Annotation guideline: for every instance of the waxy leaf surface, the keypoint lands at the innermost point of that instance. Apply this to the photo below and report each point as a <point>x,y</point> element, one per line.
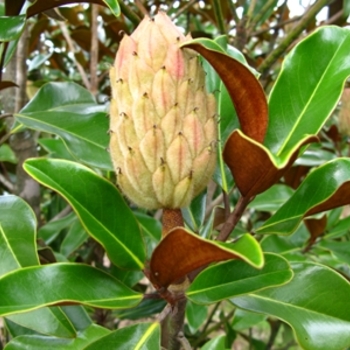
<point>325,188</point>
<point>70,111</point>
<point>40,342</point>
<point>17,234</point>
<point>253,167</point>
<point>34,287</point>
<point>182,252</point>
<point>100,207</point>
<point>306,93</point>
<point>142,336</point>
<point>315,304</point>
<point>236,277</point>
<point>11,27</point>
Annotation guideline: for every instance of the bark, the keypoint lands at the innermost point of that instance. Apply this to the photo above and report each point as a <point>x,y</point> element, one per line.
<point>23,143</point>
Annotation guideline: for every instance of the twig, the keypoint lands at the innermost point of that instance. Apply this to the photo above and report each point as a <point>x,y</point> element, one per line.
<point>6,115</point>
<point>219,16</point>
<point>9,185</point>
<point>184,8</point>
<point>283,46</point>
<point>94,50</point>
<point>256,19</point>
<point>70,43</point>
<point>233,219</point>
<point>183,341</point>
<point>128,13</point>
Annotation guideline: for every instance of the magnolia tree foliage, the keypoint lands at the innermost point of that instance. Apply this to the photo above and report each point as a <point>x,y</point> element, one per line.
<point>220,211</point>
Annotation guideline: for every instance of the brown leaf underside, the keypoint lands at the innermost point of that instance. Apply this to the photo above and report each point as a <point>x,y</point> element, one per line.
<point>245,91</point>
<point>341,197</point>
<point>179,253</point>
<point>251,166</point>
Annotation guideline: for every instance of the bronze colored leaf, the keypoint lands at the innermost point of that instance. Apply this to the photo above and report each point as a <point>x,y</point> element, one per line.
<point>339,198</point>
<point>245,91</point>
<point>7,84</point>
<point>316,227</point>
<point>181,252</point>
<point>252,166</point>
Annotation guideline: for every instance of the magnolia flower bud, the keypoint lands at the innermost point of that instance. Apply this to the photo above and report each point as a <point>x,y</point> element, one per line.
<point>163,125</point>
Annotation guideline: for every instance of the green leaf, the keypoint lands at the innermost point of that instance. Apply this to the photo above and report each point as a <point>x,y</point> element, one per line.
<point>142,336</point>
<point>11,27</point>
<point>100,207</point>
<point>49,232</point>
<point>37,342</point>
<point>315,304</point>
<point>61,283</point>
<point>272,199</point>
<point>48,321</point>
<point>236,277</point>
<point>307,91</point>
<point>113,6</point>
<point>311,197</point>
<point>17,234</point>
<point>217,343</point>
<point>75,237</point>
<point>56,148</point>
<point>244,319</point>
<point>7,155</point>
<point>196,315</point>
<point>70,111</point>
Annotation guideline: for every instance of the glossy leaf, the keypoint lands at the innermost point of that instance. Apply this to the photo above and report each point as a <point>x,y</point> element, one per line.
<point>315,304</point>
<point>142,336</point>
<point>56,148</point>
<point>62,283</point>
<point>217,343</point>
<point>305,91</point>
<point>253,166</point>
<point>272,199</point>
<point>11,27</point>
<point>179,244</point>
<point>49,232</point>
<point>242,86</point>
<point>71,112</point>
<point>325,188</point>
<point>233,278</point>
<point>100,207</point>
<point>75,237</point>
<point>244,319</point>
<point>7,154</point>
<point>47,321</point>
<point>38,342</point>
<point>196,315</point>
<point>17,237</point>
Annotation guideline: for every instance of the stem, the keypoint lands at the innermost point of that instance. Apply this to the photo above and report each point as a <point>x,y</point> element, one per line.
<point>94,50</point>
<point>71,47</point>
<point>173,322</point>
<point>283,46</point>
<point>255,20</point>
<point>171,218</point>
<point>219,16</point>
<point>127,12</point>
<point>233,218</point>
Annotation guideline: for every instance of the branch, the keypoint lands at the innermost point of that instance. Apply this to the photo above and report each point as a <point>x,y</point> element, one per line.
<point>71,47</point>
<point>219,16</point>
<point>94,50</point>
<point>233,219</point>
